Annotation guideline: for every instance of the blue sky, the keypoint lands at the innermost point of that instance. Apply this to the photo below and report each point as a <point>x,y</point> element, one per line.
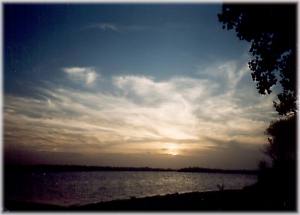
<point>159,40</point>
<point>135,82</point>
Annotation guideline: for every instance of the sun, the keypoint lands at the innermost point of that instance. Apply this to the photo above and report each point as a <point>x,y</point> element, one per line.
<point>173,153</point>
<point>172,149</point>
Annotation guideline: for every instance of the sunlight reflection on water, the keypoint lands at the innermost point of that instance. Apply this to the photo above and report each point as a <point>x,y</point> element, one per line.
<point>68,188</point>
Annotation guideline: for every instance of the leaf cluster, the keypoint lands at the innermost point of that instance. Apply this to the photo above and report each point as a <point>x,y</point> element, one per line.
<point>271,30</point>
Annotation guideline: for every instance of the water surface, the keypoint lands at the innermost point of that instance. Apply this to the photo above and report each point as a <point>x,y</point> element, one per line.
<point>69,188</point>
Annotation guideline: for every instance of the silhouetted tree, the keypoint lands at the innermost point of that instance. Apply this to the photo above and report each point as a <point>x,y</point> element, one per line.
<point>271,30</point>
<point>282,150</point>
<point>281,147</point>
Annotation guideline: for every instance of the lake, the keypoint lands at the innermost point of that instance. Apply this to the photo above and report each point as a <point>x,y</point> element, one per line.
<point>79,188</point>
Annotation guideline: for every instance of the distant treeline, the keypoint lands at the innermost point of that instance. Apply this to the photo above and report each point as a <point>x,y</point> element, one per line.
<point>208,170</point>
<point>79,168</point>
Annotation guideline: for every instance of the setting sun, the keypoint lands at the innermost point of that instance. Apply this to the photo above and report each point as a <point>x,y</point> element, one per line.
<point>172,149</point>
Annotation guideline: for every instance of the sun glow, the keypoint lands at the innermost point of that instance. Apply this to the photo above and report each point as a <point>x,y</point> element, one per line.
<point>172,149</point>
<point>173,153</point>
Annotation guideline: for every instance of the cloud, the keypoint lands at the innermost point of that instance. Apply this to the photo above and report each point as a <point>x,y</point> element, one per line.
<point>131,27</point>
<point>141,115</point>
<point>103,27</point>
<point>112,27</point>
<point>86,74</point>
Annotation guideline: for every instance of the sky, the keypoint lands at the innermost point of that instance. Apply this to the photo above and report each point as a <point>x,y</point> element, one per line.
<point>158,85</point>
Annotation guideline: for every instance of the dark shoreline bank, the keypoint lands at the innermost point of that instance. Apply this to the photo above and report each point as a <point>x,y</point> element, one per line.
<point>247,199</point>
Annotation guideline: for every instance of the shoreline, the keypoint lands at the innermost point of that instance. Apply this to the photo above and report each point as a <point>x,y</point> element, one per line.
<point>247,199</point>
<point>78,168</point>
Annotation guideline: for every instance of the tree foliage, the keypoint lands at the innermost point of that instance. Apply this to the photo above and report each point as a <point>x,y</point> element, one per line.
<point>282,141</point>
<point>283,151</point>
<point>271,30</point>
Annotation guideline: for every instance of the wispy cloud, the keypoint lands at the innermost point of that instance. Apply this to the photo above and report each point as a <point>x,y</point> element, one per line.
<point>103,26</point>
<point>140,115</point>
<point>132,27</point>
<point>86,74</point>
<point>113,27</point>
